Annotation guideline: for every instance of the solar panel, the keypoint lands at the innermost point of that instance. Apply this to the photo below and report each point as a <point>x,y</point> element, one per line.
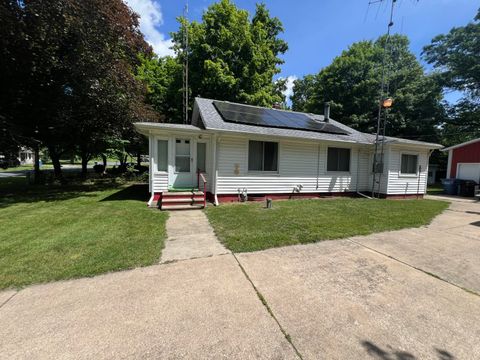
<point>249,115</point>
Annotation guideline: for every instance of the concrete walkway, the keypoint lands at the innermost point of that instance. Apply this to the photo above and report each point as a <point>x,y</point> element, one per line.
<point>371,297</point>
<point>190,236</point>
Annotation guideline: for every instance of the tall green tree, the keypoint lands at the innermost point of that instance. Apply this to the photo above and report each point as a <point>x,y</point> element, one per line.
<point>351,83</point>
<point>233,57</point>
<point>78,74</point>
<point>456,59</point>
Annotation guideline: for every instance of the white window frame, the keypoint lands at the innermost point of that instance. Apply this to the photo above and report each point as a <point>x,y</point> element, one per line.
<point>260,172</point>
<point>155,162</point>
<point>409,175</point>
<point>336,171</point>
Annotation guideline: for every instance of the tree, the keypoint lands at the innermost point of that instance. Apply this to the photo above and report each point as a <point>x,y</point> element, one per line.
<point>232,57</point>
<point>456,59</point>
<point>77,78</point>
<point>352,85</point>
<point>163,78</point>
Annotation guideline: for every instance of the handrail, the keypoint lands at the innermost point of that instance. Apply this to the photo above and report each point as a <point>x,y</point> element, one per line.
<point>200,175</point>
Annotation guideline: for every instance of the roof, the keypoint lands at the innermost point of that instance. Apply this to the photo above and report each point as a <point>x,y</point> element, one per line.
<point>206,117</point>
<point>461,145</point>
<point>213,121</point>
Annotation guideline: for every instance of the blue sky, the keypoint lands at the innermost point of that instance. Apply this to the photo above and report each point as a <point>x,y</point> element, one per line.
<point>318,30</point>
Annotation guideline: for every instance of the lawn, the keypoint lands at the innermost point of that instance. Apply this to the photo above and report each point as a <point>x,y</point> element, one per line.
<point>251,227</point>
<point>53,233</point>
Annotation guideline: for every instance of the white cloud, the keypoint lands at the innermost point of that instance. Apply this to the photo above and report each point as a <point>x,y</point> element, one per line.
<point>289,84</point>
<point>150,19</point>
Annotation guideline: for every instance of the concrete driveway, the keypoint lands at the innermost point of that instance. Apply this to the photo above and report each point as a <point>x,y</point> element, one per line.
<point>410,294</point>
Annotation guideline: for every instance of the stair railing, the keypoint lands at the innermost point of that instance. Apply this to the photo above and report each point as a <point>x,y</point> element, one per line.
<point>201,177</point>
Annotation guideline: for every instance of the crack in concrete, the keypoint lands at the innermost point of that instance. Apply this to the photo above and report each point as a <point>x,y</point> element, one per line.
<point>414,267</point>
<point>10,298</point>
<point>268,308</point>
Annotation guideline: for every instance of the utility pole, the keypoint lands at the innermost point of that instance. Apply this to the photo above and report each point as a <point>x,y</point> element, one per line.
<point>185,66</point>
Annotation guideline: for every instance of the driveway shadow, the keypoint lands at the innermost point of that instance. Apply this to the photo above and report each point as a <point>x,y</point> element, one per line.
<point>377,352</point>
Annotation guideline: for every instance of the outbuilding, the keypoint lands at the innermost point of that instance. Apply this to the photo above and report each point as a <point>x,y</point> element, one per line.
<point>464,161</point>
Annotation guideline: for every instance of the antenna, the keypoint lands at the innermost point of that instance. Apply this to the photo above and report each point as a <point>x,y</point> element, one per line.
<point>185,65</point>
<point>382,104</point>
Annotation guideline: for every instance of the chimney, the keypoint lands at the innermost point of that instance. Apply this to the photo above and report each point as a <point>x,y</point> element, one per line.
<point>326,112</point>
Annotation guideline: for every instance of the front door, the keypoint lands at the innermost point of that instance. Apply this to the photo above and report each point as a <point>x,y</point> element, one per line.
<point>183,172</point>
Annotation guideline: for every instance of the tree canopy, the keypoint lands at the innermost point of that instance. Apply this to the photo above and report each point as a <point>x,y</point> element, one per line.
<point>231,57</point>
<point>456,59</point>
<point>351,83</point>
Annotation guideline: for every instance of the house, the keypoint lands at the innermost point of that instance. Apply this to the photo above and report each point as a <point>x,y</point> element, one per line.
<point>240,151</point>
<point>464,161</point>
<point>26,156</point>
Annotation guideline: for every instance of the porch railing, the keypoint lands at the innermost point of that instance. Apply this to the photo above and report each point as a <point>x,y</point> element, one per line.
<point>201,177</point>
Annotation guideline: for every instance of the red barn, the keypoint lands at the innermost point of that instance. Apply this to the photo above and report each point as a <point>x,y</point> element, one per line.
<point>464,161</point>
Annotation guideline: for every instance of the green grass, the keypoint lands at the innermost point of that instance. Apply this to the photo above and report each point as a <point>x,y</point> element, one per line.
<point>251,227</point>
<point>54,233</point>
<point>435,189</point>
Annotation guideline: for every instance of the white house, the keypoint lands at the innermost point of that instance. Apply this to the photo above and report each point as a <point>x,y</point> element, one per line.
<point>233,151</point>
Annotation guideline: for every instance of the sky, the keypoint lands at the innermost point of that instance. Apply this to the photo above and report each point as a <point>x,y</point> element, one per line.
<point>319,30</point>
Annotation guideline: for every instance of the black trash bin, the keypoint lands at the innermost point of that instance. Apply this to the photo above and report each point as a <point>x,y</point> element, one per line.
<point>466,188</point>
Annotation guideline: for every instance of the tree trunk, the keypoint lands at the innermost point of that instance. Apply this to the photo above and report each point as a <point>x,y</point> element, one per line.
<point>85,160</point>
<point>104,159</point>
<point>139,159</point>
<point>57,168</point>
<point>36,171</point>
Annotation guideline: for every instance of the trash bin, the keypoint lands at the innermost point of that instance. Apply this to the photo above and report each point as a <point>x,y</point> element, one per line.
<point>450,186</point>
<point>466,188</point>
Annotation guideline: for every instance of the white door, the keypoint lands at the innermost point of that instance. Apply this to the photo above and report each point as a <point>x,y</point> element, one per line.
<point>184,169</point>
<point>469,171</point>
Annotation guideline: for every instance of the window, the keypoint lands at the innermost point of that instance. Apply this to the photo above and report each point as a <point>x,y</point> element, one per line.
<point>182,156</point>
<point>338,159</point>
<point>409,164</point>
<point>162,155</point>
<point>262,156</point>
<point>379,165</point>
<point>201,155</point>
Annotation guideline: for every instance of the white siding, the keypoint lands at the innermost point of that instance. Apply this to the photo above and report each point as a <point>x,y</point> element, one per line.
<point>299,164</point>
<point>159,182</point>
<point>399,184</point>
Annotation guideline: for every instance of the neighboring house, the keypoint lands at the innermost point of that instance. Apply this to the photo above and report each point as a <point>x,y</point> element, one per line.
<point>247,150</point>
<point>464,161</point>
<point>26,156</point>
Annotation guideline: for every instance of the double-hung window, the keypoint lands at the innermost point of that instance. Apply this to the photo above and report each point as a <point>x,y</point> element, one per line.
<point>409,164</point>
<point>338,159</point>
<point>262,156</point>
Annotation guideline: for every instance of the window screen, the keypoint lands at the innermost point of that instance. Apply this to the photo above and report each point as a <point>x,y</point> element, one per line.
<point>162,155</point>
<point>409,164</point>
<point>262,156</point>
<point>338,159</point>
<point>201,155</point>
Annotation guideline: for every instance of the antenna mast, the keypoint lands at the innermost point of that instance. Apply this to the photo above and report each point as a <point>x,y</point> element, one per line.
<point>382,108</point>
<point>185,66</point>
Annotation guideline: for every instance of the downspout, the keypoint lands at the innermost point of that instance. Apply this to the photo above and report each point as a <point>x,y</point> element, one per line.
<point>215,171</point>
<point>318,165</point>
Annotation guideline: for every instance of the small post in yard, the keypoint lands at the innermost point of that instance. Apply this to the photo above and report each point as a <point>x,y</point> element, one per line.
<point>419,174</point>
<point>269,203</point>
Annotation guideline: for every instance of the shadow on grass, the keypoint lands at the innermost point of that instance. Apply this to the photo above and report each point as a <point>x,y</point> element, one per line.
<point>137,192</point>
<point>23,193</point>
<point>377,352</point>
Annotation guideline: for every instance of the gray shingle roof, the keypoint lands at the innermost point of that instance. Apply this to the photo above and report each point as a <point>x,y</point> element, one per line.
<point>213,121</point>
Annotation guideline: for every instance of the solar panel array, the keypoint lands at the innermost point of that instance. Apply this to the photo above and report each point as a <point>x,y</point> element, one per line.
<point>249,115</point>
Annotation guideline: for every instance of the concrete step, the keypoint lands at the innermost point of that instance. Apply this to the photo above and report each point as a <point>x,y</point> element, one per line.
<point>182,194</point>
<point>182,199</point>
<point>182,207</point>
